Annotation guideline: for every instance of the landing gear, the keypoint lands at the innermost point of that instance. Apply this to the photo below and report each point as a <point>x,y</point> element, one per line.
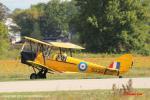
<point>120,77</point>
<point>40,75</point>
<point>33,76</point>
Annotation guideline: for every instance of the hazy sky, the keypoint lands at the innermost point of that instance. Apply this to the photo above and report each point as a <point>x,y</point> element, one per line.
<point>23,4</point>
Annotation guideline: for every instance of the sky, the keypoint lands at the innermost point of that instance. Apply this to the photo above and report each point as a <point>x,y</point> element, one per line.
<point>23,4</point>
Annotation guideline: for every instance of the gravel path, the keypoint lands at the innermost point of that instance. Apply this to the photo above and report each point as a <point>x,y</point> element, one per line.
<point>66,85</point>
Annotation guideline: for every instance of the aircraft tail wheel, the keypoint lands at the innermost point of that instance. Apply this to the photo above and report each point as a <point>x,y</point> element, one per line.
<point>33,76</point>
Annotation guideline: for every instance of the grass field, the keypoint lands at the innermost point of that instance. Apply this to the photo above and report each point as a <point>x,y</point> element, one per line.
<point>74,95</point>
<point>14,70</point>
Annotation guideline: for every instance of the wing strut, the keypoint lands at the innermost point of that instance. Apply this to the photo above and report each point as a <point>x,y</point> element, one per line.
<point>34,69</point>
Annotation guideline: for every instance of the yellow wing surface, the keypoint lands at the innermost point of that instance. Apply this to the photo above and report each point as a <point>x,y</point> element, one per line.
<point>36,41</point>
<point>66,45</point>
<point>70,64</point>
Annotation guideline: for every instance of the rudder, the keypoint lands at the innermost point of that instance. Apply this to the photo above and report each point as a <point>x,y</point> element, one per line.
<point>123,63</point>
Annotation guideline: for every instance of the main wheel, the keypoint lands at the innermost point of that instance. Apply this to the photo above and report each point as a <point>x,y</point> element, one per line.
<point>33,76</point>
<point>120,77</point>
<point>41,76</point>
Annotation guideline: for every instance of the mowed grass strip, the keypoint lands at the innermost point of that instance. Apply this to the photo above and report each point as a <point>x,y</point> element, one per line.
<point>14,70</point>
<point>74,95</point>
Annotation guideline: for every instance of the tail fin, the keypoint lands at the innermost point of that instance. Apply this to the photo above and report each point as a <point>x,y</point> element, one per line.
<point>123,63</point>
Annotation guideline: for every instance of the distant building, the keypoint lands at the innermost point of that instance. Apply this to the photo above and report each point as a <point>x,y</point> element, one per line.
<point>13,31</point>
<point>15,38</point>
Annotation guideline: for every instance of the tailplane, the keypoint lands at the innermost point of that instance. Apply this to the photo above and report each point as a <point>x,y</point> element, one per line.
<point>122,64</point>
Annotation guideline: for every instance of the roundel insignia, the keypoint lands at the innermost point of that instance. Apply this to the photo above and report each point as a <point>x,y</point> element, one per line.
<point>82,66</point>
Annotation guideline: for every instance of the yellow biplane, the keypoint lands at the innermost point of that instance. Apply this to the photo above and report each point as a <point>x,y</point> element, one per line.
<point>51,57</point>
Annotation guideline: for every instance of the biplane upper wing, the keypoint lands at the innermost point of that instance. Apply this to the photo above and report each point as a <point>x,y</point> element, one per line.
<point>66,45</point>
<point>36,41</point>
<point>55,44</point>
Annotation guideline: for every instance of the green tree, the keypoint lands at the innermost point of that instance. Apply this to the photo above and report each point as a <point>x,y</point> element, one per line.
<point>23,18</point>
<point>3,11</point>
<point>58,16</point>
<point>146,3</point>
<point>52,19</point>
<point>3,30</point>
<point>3,38</point>
<point>113,25</point>
<point>28,21</point>
<point>36,31</point>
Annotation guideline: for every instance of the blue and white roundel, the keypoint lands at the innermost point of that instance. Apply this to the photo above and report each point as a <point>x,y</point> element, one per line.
<point>82,66</point>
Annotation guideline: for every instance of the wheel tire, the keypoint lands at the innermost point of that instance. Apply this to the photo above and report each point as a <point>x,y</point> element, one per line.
<point>33,76</point>
<point>39,76</point>
<point>42,76</point>
<point>120,77</point>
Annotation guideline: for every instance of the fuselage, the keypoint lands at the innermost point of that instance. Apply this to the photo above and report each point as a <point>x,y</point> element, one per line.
<point>64,63</point>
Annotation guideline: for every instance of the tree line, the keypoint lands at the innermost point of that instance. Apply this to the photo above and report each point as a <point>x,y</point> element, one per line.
<point>46,20</point>
<point>115,25</point>
<point>105,26</point>
<point>3,29</point>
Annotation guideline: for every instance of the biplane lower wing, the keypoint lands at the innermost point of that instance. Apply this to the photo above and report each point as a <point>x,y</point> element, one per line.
<point>40,66</point>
